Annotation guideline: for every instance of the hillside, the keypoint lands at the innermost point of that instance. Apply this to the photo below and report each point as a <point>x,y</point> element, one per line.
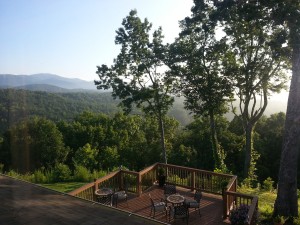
<point>16,105</point>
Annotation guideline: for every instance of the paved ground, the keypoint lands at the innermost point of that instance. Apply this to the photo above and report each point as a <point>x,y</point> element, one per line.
<point>28,204</point>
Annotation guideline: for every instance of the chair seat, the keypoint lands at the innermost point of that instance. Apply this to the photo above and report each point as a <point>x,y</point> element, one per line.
<point>159,206</point>
<point>192,203</point>
<point>121,195</point>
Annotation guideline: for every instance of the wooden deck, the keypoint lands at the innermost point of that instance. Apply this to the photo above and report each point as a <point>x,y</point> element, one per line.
<point>211,207</point>
<point>25,203</point>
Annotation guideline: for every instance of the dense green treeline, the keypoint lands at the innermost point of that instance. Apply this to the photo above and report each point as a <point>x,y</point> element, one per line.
<point>98,141</point>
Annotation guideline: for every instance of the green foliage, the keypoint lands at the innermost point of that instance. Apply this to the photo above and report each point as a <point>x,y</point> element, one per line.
<point>197,56</point>
<point>40,177</point>
<point>268,184</point>
<point>17,105</point>
<point>33,144</point>
<point>86,157</point>
<point>137,76</point>
<point>81,174</point>
<point>96,174</point>
<point>61,172</point>
<point>268,143</point>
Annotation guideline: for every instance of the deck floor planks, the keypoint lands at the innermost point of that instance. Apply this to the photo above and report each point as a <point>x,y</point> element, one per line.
<point>211,207</point>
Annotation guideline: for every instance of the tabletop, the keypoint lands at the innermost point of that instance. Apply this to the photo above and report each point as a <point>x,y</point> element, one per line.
<point>103,191</point>
<point>175,199</point>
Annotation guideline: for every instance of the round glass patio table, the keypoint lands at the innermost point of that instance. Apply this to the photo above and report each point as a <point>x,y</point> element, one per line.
<point>103,191</point>
<point>175,199</point>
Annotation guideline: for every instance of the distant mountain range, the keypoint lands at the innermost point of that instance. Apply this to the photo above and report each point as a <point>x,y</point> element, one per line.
<point>45,82</point>
<point>57,84</point>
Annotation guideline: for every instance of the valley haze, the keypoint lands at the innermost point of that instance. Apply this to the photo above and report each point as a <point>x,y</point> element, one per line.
<point>55,83</point>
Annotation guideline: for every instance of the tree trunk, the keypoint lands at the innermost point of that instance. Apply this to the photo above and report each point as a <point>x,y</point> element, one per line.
<point>162,137</point>
<point>214,141</point>
<point>286,202</point>
<point>248,149</point>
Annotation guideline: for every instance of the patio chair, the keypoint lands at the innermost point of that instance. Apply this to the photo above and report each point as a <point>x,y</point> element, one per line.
<point>179,212</point>
<point>196,202</point>
<point>105,199</point>
<point>120,196</point>
<point>157,206</point>
<point>169,190</point>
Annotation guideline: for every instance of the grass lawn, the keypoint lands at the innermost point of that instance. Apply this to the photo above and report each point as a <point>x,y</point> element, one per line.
<point>64,186</point>
<point>266,200</point>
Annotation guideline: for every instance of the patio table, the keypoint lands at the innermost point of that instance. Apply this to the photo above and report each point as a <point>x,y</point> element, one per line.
<point>103,192</point>
<point>175,199</point>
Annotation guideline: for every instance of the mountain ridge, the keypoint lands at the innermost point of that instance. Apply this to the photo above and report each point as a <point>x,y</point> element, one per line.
<point>17,81</point>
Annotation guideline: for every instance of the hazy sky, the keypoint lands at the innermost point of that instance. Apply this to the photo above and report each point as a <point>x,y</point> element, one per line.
<point>71,37</point>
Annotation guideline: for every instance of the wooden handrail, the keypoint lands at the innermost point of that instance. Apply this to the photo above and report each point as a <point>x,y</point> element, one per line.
<point>78,190</point>
<point>149,168</point>
<point>193,169</point>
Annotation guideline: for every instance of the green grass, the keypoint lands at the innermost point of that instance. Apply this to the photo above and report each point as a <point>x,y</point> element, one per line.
<point>64,186</point>
<point>266,200</point>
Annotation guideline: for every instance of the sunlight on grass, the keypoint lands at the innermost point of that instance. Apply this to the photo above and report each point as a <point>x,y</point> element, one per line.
<point>266,200</point>
<point>64,187</point>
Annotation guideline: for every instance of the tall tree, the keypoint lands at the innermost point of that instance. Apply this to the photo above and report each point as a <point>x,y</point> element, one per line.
<point>287,13</point>
<point>254,60</point>
<point>199,55</point>
<point>138,75</point>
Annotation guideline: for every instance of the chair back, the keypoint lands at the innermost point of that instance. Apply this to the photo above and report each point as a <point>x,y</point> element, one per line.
<point>198,196</point>
<point>170,189</point>
<point>152,202</point>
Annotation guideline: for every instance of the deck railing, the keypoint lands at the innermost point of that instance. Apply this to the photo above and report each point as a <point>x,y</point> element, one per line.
<point>138,182</point>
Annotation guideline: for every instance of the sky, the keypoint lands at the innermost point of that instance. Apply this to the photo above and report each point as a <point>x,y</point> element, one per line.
<point>71,37</point>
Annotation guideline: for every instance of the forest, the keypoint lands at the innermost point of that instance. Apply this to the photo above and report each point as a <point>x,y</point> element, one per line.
<point>98,141</point>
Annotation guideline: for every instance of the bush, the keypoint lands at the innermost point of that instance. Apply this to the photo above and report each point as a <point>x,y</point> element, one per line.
<point>98,174</point>
<point>61,172</point>
<point>239,215</point>
<point>81,174</point>
<point>39,177</point>
<point>268,184</point>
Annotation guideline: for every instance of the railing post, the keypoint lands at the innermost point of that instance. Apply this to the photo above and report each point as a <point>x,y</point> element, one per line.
<point>193,181</point>
<point>224,195</point>
<point>120,180</point>
<point>95,188</point>
<point>139,183</point>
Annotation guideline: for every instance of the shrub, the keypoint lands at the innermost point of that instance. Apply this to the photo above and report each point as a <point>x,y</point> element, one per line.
<point>239,215</point>
<point>81,174</point>
<point>268,184</point>
<point>14,174</point>
<point>61,172</point>
<point>98,174</point>
<point>39,177</point>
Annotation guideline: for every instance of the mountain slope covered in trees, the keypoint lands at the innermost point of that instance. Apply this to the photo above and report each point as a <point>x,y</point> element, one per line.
<point>16,105</point>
